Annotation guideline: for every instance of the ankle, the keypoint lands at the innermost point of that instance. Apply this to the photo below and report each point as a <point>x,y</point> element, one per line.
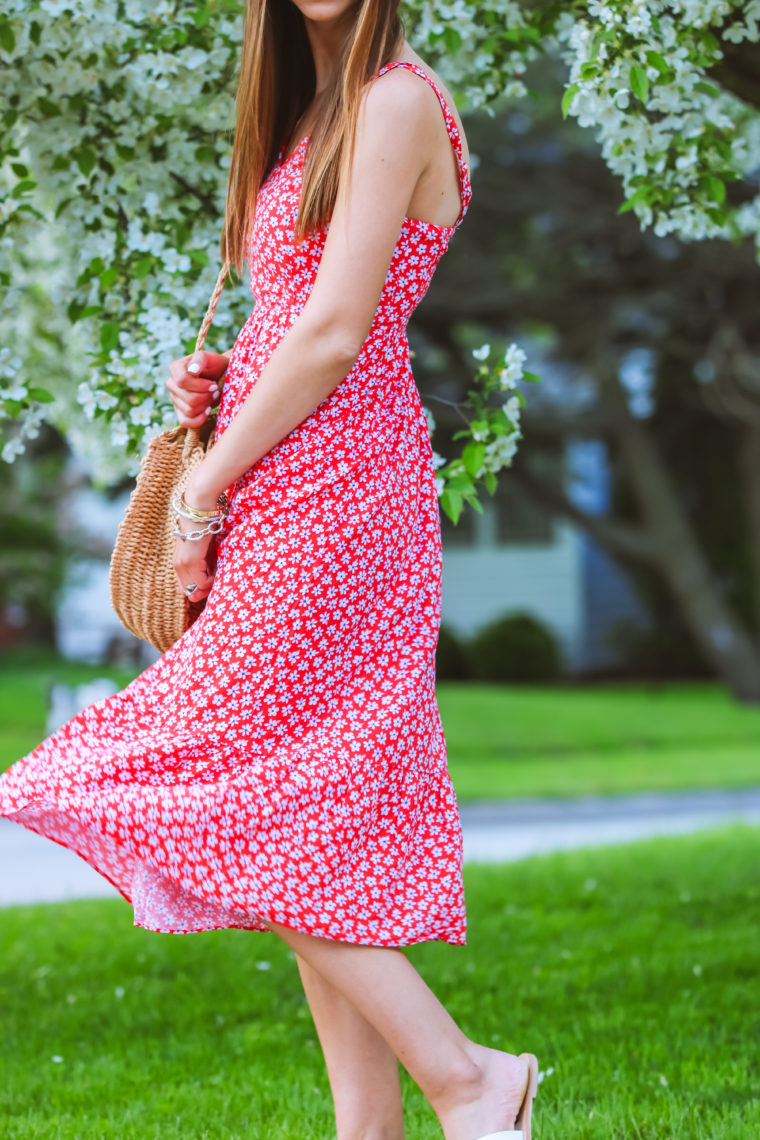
<point>373,1124</point>
<point>461,1084</point>
<point>371,1130</point>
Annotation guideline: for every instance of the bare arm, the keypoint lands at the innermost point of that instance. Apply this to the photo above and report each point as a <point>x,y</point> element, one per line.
<point>320,348</point>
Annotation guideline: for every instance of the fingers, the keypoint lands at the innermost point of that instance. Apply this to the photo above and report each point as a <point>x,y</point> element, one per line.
<point>208,365</point>
<point>191,413</point>
<point>193,385</point>
<point>192,422</point>
<point>195,567</point>
<point>198,595</point>
<point>191,406</point>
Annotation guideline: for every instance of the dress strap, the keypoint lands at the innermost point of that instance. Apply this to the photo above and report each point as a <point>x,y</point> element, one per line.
<point>465,187</point>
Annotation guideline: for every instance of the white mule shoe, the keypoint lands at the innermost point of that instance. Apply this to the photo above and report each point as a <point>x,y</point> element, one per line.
<point>522,1132</point>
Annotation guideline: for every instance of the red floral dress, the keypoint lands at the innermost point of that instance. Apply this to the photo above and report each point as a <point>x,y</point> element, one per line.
<point>284,761</point>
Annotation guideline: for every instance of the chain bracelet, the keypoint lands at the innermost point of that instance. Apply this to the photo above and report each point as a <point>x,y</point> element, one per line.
<point>213,526</point>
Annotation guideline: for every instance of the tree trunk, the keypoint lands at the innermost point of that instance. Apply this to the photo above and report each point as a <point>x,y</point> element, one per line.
<point>729,648</point>
<point>750,469</point>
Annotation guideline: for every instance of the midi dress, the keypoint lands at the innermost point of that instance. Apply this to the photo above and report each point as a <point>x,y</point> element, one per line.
<point>284,761</point>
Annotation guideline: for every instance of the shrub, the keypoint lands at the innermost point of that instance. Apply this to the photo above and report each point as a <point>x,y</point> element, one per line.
<point>516,647</point>
<point>451,662</point>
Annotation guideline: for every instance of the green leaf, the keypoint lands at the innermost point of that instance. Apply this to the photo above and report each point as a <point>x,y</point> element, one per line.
<point>532,378</point>
<point>20,170</point>
<point>640,195</point>
<point>7,38</point>
<point>490,481</point>
<point>715,188</point>
<point>475,502</point>
<point>109,336</point>
<point>568,97</point>
<point>654,59</point>
<point>706,88</point>
<point>639,81</point>
<point>142,267</point>
<point>461,483</point>
<point>23,187</point>
<point>472,457</point>
<point>108,276</point>
<point>13,408</point>
<point>451,504</point>
<point>452,39</point>
<point>41,395</point>
<point>85,160</point>
<point>49,109</point>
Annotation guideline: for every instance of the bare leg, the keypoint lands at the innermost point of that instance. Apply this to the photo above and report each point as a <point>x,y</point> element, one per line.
<point>362,1068</point>
<point>473,1090</point>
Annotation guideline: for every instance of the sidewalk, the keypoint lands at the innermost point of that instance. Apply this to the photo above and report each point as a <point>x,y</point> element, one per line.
<point>34,870</point>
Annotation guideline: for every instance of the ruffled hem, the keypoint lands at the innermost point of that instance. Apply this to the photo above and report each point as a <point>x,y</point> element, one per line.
<point>157,899</point>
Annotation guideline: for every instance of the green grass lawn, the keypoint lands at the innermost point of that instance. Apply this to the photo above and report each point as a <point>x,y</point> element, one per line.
<point>632,972</point>
<point>511,741</point>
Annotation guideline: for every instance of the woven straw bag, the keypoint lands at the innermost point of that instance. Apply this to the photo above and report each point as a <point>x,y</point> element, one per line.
<point>142,580</point>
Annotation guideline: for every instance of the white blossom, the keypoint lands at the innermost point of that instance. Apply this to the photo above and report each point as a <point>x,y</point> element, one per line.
<point>512,368</point>
<point>142,413</point>
<point>13,448</point>
<point>113,213</point>
<point>512,409</point>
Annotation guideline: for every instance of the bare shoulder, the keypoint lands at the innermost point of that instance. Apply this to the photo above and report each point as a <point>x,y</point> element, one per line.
<point>400,94</point>
<point>399,100</point>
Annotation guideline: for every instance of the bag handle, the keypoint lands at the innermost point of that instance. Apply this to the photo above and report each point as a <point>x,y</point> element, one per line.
<point>193,435</point>
<point>211,310</point>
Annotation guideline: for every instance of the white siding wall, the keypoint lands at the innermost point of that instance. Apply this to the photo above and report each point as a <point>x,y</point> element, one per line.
<point>487,580</point>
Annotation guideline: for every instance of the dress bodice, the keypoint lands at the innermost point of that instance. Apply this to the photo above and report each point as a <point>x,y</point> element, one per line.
<point>283,272</point>
<point>366,408</point>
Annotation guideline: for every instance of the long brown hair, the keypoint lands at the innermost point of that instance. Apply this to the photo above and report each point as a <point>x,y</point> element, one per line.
<point>277,82</point>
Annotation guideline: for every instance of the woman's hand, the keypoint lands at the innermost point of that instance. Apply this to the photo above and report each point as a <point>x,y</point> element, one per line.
<point>194,562</point>
<point>193,385</point>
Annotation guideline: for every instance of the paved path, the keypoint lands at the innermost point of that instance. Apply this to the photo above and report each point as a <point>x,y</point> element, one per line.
<point>35,870</point>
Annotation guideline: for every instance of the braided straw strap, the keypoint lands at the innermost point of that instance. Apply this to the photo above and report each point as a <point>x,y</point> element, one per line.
<point>142,581</point>
<point>194,434</point>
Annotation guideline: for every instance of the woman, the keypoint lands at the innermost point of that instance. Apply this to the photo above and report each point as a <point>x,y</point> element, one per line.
<point>282,767</point>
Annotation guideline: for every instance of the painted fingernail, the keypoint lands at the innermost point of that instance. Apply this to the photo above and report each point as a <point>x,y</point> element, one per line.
<point>194,367</point>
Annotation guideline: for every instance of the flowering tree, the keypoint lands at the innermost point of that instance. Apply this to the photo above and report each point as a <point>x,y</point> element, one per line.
<point>115,142</point>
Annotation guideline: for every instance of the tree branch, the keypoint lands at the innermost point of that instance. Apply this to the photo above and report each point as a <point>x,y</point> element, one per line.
<point>206,199</point>
<point>619,538</point>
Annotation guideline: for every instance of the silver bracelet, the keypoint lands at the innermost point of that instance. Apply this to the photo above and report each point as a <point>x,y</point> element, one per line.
<point>213,526</point>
